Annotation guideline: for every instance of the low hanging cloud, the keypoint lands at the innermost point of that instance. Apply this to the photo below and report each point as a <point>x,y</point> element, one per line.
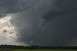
<point>58,19</point>
<point>49,22</point>
<point>44,22</point>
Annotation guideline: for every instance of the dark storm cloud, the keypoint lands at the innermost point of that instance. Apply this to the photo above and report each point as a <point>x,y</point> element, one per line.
<point>50,8</point>
<point>57,20</point>
<point>13,6</point>
<point>57,25</point>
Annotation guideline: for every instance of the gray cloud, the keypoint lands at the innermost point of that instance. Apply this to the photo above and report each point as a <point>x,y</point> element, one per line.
<point>2,11</point>
<point>57,23</point>
<point>57,20</point>
<point>48,8</point>
<point>14,6</point>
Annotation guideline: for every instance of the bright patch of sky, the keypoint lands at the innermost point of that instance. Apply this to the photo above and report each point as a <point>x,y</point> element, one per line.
<point>7,31</point>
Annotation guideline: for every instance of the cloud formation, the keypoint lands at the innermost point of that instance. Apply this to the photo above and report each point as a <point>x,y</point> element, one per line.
<point>50,22</point>
<point>43,22</point>
<point>59,20</point>
<point>14,6</point>
<point>6,28</point>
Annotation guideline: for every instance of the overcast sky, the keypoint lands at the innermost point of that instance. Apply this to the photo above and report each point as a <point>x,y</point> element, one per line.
<point>38,22</point>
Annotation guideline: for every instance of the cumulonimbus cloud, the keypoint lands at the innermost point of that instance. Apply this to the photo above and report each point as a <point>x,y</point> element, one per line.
<point>58,18</point>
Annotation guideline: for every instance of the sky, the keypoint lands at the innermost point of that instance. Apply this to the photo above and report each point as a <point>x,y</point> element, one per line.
<point>38,22</point>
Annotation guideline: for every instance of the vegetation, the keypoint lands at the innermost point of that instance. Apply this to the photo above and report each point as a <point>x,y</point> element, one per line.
<point>41,50</point>
<point>33,50</point>
<point>36,48</point>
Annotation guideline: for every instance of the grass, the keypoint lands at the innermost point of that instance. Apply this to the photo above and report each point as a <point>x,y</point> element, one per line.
<point>40,50</point>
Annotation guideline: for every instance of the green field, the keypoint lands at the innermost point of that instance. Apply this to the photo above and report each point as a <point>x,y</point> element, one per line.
<point>41,50</point>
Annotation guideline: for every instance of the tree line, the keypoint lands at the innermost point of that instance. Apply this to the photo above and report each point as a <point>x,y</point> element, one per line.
<point>37,47</point>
